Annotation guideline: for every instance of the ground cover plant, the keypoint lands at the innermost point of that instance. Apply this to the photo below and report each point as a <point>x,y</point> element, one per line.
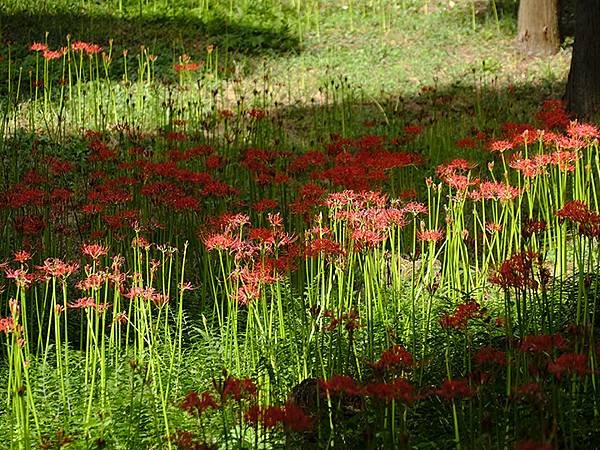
<point>201,248</point>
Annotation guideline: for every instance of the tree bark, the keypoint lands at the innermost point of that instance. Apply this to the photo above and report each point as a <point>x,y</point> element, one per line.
<point>582,95</point>
<point>537,32</point>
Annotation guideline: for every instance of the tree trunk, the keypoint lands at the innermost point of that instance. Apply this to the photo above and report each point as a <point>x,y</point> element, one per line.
<point>537,32</point>
<point>583,86</point>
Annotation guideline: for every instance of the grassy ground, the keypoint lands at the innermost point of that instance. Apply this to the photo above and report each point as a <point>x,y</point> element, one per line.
<point>389,48</point>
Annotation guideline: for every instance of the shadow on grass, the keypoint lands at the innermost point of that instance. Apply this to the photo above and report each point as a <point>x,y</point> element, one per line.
<point>166,35</point>
<point>447,113</point>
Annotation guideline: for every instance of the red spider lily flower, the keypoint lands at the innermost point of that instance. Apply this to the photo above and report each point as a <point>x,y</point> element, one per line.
<point>542,343</point>
<point>493,227</point>
<point>22,256</point>
<point>462,314</point>
<point>531,390</point>
<point>186,440</point>
<point>22,278</point>
<point>414,129</point>
<point>399,390</point>
<point>54,267</point>
<point>264,204</point>
<point>94,251</point>
<point>83,302</point>
<point>492,190</point>
<point>517,272</point>
<point>290,416</point>
<point>269,416</point>
<point>489,355</point>
<point>52,54</point>
<point>38,47</point>
<point>93,282</point>
<point>7,325</point>
<point>530,444</point>
<point>367,238</point>
<point>88,48</point>
<point>350,321</point>
<point>430,235</point>
<point>452,389</point>
<point>238,388</point>
<point>196,404</point>
<point>322,246</point>
<point>257,114</point>
<point>500,146</point>
<point>414,208</point>
<point>395,357</point>
<point>340,384</point>
<point>569,364</point>
<point>467,143</point>
<point>296,419</point>
<point>583,131</point>
<point>528,167</point>
<point>553,114</point>
<point>532,227</point>
<point>575,210</point>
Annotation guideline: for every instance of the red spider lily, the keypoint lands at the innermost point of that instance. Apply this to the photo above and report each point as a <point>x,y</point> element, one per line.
<point>7,325</point>
<point>569,364</point>
<point>186,65</point>
<point>237,388</point>
<point>264,204</point>
<point>582,131</point>
<point>269,416</point>
<point>93,282</point>
<point>492,227</point>
<point>564,159</point>
<point>492,190</point>
<point>322,246</point>
<point>500,146</point>
<point>256,113</point>
<point>52,54</point>
<point>38,47</point>
<point>462,314</point>
<point>575,210</point>
<point>489,355</point>
<point>531,390</point>
<point>525,137</point>
<point>553,114</point>
<point>296,419</point>
<point>290,416</point>
<point>518,272</point>
<point>452,389</point>
<point>88,48</point>
<point>467,143</point>
<point>542,343</point>
<point>54,267</point>
<point>414,129</point>
<point>22,278</point>
<point>196,404</point>
<point>414,208</point>
<point>350,320</point>
<point>430,235</point>
<point>399,390</point>
<point>22,256</point>
<point>532,227</point>
<point>395,357</point>
<point>367,238</point>
<point>340,384</point>
<point>528,167</point>
<point>83,302</point>
<point>94,251</point>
